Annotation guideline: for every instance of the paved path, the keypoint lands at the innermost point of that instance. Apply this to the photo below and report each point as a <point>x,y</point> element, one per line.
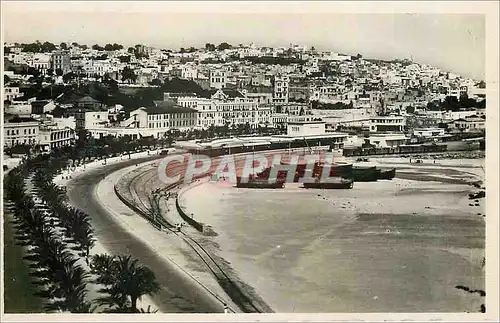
<point>178,294</point>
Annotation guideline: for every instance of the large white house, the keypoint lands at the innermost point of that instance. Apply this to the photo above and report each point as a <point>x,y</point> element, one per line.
<point>20,131</point>
<point>387,124</point>
<point>227,106</point>
<point>153,121</point>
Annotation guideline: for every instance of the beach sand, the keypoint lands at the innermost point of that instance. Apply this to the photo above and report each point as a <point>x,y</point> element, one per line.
<point>389,246</point>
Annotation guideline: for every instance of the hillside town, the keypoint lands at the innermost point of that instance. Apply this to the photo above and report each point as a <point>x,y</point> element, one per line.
<point>89,133</point>
<point>53,92</point>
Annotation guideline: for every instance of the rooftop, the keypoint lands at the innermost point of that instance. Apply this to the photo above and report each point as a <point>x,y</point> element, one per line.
<point>88,99</point>
<point>167,107</point>
<point>21,120</point>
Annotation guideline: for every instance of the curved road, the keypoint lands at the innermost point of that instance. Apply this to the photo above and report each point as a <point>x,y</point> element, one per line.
<point>178,293</point>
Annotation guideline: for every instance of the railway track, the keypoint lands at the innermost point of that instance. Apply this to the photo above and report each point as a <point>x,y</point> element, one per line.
<point>233,290</point>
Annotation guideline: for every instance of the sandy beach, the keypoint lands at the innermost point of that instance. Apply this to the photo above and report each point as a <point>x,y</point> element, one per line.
<point>402,247</point>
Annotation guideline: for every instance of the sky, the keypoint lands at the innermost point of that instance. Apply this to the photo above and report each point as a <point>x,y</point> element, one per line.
<point>452,41</point>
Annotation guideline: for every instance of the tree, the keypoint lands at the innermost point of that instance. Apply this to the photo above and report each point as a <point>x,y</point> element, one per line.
<point>48,47</point>
<point>125,281</point>
<point>6,50</point>
<point>124,59</point>
<point>410,109</point>
<point>450,103</point>
<point>131,50</point>
<point>68,77</point>
<point>6,79</point>
<point>59,72</point>
<point>210,47</point>
<point>128,74</point>
<point>156,82</point>
<point>182,50</point>
<point>32,48</point>
<point>63,46</point>
<point>97,47</point>
<point>431,106</point>
<point>223,46</point>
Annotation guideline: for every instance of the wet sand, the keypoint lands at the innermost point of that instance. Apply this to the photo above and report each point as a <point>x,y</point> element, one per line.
<point>389,246</point>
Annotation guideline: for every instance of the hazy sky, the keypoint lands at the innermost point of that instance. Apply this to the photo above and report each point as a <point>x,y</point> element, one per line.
<point>454,42</point>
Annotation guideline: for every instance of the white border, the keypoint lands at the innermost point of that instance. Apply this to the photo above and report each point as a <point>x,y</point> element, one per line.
<point>489,9</point>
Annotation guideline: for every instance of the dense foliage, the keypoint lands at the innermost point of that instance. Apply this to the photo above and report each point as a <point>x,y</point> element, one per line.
<point>58,239</point>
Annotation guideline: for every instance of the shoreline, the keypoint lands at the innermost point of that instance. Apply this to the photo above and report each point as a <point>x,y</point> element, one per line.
<point>212,270</point>
<point>177,293</point>
<point>104,186</point>
<point>183,189</point>
<point>465,254</point>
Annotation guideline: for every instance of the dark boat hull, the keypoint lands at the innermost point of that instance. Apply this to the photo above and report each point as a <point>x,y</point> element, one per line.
<point>346,184</point>
<point>336,170</point>
<point>253,184</point>
<point>387,174</point>
<point>259,183</point>
<point>365,174</point>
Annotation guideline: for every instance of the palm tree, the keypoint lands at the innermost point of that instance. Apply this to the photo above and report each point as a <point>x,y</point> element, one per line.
<point>125,279</point>
<point>148,310</point>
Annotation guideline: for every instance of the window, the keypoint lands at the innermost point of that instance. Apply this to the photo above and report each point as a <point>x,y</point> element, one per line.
<point>8,132</point>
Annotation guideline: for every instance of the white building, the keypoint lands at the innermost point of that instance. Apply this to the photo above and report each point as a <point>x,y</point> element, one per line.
<point>428,132</point>
<point>217,79</point>
<point>11,93</point>
<point>387,124</point>
<point>468,124</point>
<point>41,62</point>
<point>152,121</point>
<point>305,126</point>
<point>52,135</point>
<point>387,140</point>
<point>20,131</point>
<point>227,107</point>
<point>281,86</point>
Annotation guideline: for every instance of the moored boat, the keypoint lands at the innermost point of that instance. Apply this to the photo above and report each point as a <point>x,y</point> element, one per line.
<point>343,170</point>
<point>259,183</point>
<point>365,174</point>
<point>342,183</point>
<point>387,173</point>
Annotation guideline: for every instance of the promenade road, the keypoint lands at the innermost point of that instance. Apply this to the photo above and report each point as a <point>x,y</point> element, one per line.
<point>179,294</point>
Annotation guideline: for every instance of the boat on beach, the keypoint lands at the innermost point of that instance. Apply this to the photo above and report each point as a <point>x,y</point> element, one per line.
<point>387,173</point>
<point>256,182</point>
<point>365,174</point>
<point>343,170</point>
<point>341,183</point>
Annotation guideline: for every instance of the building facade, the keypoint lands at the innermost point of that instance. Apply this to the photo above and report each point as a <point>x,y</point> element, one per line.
<point>10,93</point>
<point>218,79</point>
<point>387,124</point>
<point>21,131</point>
<point>305,126</point>
<point>60,60</point>
<point>54,136</point>
<point>281,84</point>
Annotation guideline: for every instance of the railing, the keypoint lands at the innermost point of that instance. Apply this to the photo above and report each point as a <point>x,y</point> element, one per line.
<point>195,224</point>
<point>394,150</point>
